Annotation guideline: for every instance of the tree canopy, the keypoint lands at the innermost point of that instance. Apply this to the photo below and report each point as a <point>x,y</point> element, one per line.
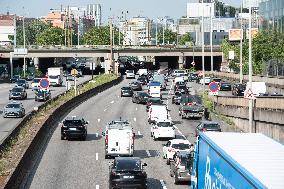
<point>170,37</point>
<point>51,36</point>
<point>184,39</point>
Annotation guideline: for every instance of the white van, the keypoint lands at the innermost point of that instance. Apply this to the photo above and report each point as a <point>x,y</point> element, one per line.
<point>142,72</point>
<point>157,112</point>
<point>257,88</point>
<point>130,74</point>
<point>119,139</point>
<point>178,79</point>
<point>178,73</point>
<point>155,89</point>
<point>163,129</point>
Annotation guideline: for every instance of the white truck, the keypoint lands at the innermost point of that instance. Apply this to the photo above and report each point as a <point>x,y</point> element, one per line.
<point>119,139</point>
<point>158,112</point>
<point>257,88</point>
<point>155,89</point>
<point>55,76</point>
<point>142,72</point>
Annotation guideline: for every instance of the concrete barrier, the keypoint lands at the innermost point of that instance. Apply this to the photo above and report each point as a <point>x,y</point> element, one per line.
<point>31,157</point>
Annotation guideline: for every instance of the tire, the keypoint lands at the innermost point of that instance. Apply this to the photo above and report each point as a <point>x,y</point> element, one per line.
<point>106,157</point>
<point>154,138</point>
<point>176,180</point>
<point>151,134</point>
<point>171,174</point>
<point>84,137</point>
<point>62,137</point>
<point>168,161</point>
<point>182,117</point>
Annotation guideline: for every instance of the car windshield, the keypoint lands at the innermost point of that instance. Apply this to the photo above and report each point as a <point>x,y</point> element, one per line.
<point>183,161</point>
<point>181,146</point>
<point>13,106</point>
<point>21,81</point>
<point>143,94</point>
<point>216,79</point>
<point>75,122</point>
<point>125,88</point>
<point>41,93</point>
<point>164,124</point>
<point>211,126</point>
<point>16,76</point>
<point>123,165</point>
<point>155,100</point>
<point>225,83</point>
<point>129,71</point>
<point>178,94</point>
<point>53,76</point>
<point>17,90</point>
<point>180,71</point>
<point>36,80</point>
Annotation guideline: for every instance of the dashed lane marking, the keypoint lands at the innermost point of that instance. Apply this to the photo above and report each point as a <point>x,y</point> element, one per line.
<point>136,109</point>
<point>97,156</point>
<point>99,120</point>
<point>105,110</point>
<point>97,135</point>
<point>134,119</point>
<point>163,184</point>
<point>97,186</point>
<point>148,153</point>
<point>112,102</point>
<point>139,133</point>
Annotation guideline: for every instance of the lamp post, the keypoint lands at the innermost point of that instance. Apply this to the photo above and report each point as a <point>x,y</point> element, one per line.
<point>24,37</point>
<point>211,38</point>
<point>250,74</point>
<point>241,47</point>
<point>202,40</point>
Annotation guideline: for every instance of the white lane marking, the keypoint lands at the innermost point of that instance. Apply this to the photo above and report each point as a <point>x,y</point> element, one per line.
<point>139,133</point>
<point>179,132</point>
<point>112,102</point>
<point>97,186</point>
<point>97,156</point>
<point>97,135</point>
<point>163,184</point>
<point>118,96</point>
<point>148,153</point>
<point>105,110</point>
<point>99,120</point>
<point>136,108</point>
<point>134,119</point>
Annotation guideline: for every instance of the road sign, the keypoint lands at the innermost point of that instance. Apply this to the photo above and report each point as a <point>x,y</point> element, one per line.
<point>214,87</point>
<point>249,94</point>
<point>74,72</point>
<point>20,51</point>
<point>193,63</point>
<point>44,83</point>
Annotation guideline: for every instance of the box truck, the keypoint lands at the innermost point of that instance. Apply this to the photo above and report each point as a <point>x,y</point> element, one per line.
<point>55,76</point>
<point>237,160</point>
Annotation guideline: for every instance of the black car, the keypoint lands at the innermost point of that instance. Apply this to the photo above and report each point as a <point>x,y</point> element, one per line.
<point>42,95</point>
<point>140,97</point>
<point>142,80</point>
<point>225,86</point>
<point>182,89</point>
<point>74,127</point>
<point>15,78</point>
<point>30,77</point>
<point>177,97</point>
<point>238,89</point>
<point>136,86</point>
<point>22,83</point>
<point>126,91</point>
<point>179,83</point>
<point>193,77</point>
<point>127,172</point>
<point>207,126</point>
<point>153,101</point>
<point>18,93</point>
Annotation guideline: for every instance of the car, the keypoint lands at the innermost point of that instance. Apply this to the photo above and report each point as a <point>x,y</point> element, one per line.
<point>18,93</point>
<point>216,80</point>
<point>127,172</point>
<point>153,101</point>
<point>136,86</point>
<point>180,166</point>
<point>206,81</point>
<point>192,77</point>
<point>14,109</point>
<point>207,126</point>
<point>70,78</point>
<point>179,83</point>
<point>42,95</point>
<point>178,73</point>
<point>15,78</point>
<point>177,97</point>
<point>175,145</point>
<point>74,127</point>
<point>126,91</point>
<point>191,107</point>
<point>22,83</point>
<point>238,89</point>
<point>225,86</point>
<point>30,77</point>
<point>140,97</point>
<point>143,80</point>
<point>35,83</point>
<point>182,89</point>
<point>163,129</point>
<point>130,74</point>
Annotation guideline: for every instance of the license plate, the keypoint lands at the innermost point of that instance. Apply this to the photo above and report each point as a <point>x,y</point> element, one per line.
<point>72,129</point>
<point>128,177</point>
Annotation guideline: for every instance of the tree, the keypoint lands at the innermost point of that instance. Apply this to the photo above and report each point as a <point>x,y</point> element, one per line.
<point>170,37</point>
<point>184,39</point>
<point>51,36</point>
<point>101,36</point>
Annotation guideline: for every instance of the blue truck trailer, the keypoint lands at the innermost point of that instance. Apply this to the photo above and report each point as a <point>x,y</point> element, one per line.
<point>237,161</point>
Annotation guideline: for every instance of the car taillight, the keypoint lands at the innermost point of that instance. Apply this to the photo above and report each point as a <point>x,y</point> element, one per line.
<point>204,129</point>
<point>171,150</point>
<point>189,104</point>
<point>106,139</point>
<point>155,127</point>
<point>113,173</point>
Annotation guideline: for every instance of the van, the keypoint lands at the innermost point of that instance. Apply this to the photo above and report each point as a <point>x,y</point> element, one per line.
<point>142,72</point>
<point>155,89</point>
<point>157,112</point>
<point>130,74</point>
<point>119,139</point>
<point>178,79</point>
<point>257,88</point>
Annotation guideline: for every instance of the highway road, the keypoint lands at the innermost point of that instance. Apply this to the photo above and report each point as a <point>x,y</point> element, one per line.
<point>81,164</point>
<point>8,124</point>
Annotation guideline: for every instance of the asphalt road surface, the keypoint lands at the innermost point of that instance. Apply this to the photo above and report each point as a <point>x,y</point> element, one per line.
<point>81,164</point>
<point>8,124</point>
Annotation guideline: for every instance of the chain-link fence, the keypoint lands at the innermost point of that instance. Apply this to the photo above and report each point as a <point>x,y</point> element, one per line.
<point>274,67</point>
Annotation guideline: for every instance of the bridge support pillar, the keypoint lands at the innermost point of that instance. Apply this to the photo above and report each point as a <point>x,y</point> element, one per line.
<point>36,62</point>
<point>180,62</point>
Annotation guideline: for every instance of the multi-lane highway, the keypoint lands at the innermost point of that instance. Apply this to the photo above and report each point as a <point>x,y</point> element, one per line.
<point>81,164</point>
<point>8,124</point>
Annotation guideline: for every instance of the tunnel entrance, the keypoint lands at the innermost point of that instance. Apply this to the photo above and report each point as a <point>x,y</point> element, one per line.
<point>171,60</point>
<point>217,60</point>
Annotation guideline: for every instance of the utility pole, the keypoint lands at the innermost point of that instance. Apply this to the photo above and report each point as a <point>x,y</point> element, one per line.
<point>202,37</point>
<point>241,46</point>
<point>250,74</point>
<point>111,45</point>
<point>65,40</point>
<point>163,32</point>
<point>211,38</point>
<point>15,31</point>
<point>68,29</point>
<point>78,33</point>
<point>157,33</point>
<point>24,37</point>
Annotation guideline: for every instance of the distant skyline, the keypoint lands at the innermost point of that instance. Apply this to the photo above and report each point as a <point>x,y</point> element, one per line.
<point>149,8</point>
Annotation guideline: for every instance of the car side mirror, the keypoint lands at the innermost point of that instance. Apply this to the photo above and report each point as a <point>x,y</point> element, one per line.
<point>103,134</point>
<point>87,122</point>
<point>164,145</point>
<point>134,134</point>
<point>144,164</point>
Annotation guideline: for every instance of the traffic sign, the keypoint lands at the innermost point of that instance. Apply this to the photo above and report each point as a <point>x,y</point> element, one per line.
<point>249,94</point>
<point>44,83</point>
<point>74,72</point>
<point>214,87</point>
<point>193,63</point>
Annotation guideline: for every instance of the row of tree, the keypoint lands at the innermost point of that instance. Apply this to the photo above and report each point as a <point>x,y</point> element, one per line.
<point>266,46</point>
<point>41,33</point>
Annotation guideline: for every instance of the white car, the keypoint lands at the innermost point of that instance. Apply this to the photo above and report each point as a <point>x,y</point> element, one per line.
<point>130,74</point>
<point>35,83</point>
<point>207,80</point>
<point>175,145</point>
<point>163,129</point>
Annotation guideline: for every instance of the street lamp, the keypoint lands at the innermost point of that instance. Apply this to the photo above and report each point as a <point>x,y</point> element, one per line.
<point>202,41</point>
<point>250,74</point>
<point>211,38</point>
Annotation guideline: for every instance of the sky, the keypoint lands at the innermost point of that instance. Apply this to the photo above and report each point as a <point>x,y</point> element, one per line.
<point>150,8</point>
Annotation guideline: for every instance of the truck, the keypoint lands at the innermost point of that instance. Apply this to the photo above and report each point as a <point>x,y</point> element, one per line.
<point>257,89</point>
<point>55,76</point>
<point>158,112</point>
<point>237,160</point>
<point>119,139</point>
<point>155,89</point>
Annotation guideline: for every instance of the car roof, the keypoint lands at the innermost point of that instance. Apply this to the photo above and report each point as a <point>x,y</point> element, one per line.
<point>183,153</point>
<point>209,122</point>
<point>73,118</point>
<point>177,141</point>
<point>19,87</point>
<point>163,120</point>
<point>14,102</point>
<point>127,158</point>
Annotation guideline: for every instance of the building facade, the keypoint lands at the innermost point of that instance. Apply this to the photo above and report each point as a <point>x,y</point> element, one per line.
<point>94,12</point>
<point>6,29</point>
<point>271,15</point>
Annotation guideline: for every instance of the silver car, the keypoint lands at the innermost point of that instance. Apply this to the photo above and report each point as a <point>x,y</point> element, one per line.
<point>14,109</point>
